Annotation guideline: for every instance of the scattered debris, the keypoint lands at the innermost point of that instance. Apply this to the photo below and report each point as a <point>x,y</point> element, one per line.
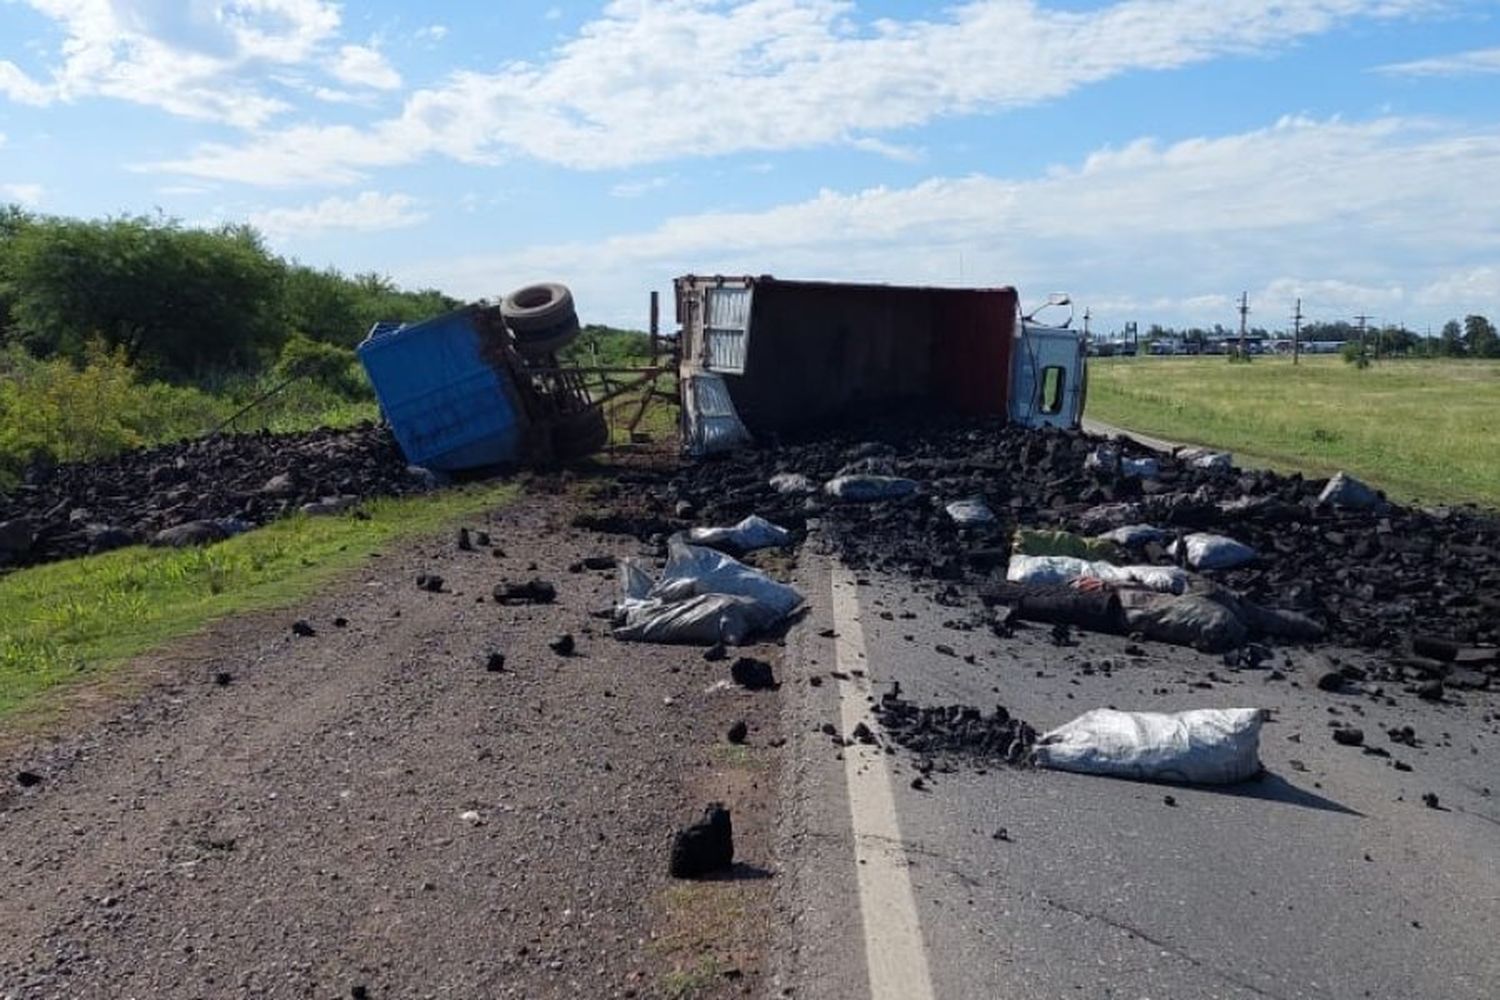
<point>28,779</point>
<point>704,847</point>
<point>303,628</point>
<point>955,730</point>
<point>563,645</point>
<point>430,582</point>
<point>738,732</point>
<point>196,492</point>
<point>495,662</point>
<point>1349,736</point>
<point>752,674</point>
<point>534,591</point>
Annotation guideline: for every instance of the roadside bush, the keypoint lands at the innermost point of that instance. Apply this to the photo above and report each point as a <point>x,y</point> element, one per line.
<point>327,365</point>
<point>1354,354</point>
<point>54,411</point>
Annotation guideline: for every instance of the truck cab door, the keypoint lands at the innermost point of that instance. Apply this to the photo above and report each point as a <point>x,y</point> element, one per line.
<point>1049,381</point>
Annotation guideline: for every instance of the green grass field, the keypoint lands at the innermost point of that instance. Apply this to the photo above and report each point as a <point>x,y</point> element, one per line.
<point>71,621</point>
<point>1422,430</point>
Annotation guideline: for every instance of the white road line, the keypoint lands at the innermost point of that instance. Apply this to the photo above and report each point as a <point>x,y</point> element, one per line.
<point>894,952</point>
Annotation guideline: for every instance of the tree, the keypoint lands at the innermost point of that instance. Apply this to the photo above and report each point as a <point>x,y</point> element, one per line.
<point>1451,343</point>
<point>1480,338</point>
<point>178,302</point>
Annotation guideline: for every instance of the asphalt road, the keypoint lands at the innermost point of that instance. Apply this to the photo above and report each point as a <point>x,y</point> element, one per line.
<point>1327,878</point>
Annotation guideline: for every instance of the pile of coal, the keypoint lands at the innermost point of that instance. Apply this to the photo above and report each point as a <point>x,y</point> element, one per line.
<point>231,482</point>
<point>955,731</point>
<point>1371,575</point>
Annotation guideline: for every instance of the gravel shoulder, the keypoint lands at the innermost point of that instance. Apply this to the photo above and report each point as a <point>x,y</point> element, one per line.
<point>368,811</point>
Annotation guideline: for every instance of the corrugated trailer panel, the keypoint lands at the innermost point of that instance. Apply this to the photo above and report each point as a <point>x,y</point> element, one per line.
<point>818,350</point>
<point>973,350</point>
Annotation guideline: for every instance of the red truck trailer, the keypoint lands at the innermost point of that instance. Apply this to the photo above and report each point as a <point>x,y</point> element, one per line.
<point>762,356</point>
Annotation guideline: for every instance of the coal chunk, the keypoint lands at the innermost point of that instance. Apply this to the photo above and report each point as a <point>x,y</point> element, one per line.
<point>704,847</point>
<point>957,731</point>
<point>534,591</point>
<point>28,779</point>
<point>303,628</point>
<point>738,732</point>
<point>1349,737</point>
<point>752,674</point>
<point>563,645</point>
<point>495,662</point>
<point>430,582</point>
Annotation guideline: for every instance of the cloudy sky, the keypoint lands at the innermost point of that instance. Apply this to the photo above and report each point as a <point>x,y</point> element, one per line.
<point>1152,157</point>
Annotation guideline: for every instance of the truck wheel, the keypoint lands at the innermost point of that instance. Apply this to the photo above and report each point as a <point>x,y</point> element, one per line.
<point>541,318</point>
<point>534,344</point>
<point>538,307</point>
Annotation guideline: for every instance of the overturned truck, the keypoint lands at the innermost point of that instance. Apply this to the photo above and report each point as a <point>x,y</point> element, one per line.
<point>761,357</point>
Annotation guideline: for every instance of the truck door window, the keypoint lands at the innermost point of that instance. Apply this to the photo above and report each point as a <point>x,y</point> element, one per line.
<point>1054,379</point>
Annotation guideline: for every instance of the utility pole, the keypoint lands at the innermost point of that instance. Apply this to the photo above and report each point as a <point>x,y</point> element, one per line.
<point>1297,333</point>
<point>1087,315</point>
<point>1362,321</point>
<point>1244,314</point>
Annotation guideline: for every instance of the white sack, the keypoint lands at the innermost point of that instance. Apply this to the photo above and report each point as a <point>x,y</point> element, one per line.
<point>1062,570</point>
<point>1131,535</point>
<point>1108,459</point>
<point>754,532</point>
<point>971,511</point>
<point>702,596</point>
<point>1343,490</point>
<point>1207,459</point>
<point>1211,746</point>
<point>787,483</point>
<point>868,489</point>
<point>1207,551</point>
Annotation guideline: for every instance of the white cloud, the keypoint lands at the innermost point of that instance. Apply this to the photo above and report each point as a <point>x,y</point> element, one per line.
<point>776,74</point>
<point>1351,216</point>
<point>362,66</point>
<point>367,212</point>
<point>1470,63</point>
<point>636,188</point>
<point>25,194</point>
<point>186,58</point>
<point>1478,286</point>
<point>433,33</point>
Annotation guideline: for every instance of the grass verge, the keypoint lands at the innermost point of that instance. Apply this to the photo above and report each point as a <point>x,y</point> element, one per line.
<point>1422,430</point>
<point>70,621</point>
<point>701,918</point>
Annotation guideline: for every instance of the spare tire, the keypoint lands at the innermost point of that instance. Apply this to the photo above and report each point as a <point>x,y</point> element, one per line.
<point>538,307</point>
<point>541,318</point>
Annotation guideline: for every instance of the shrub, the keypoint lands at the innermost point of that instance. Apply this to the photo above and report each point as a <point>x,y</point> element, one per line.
<point>326,365</point>
<point>54,411</point>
